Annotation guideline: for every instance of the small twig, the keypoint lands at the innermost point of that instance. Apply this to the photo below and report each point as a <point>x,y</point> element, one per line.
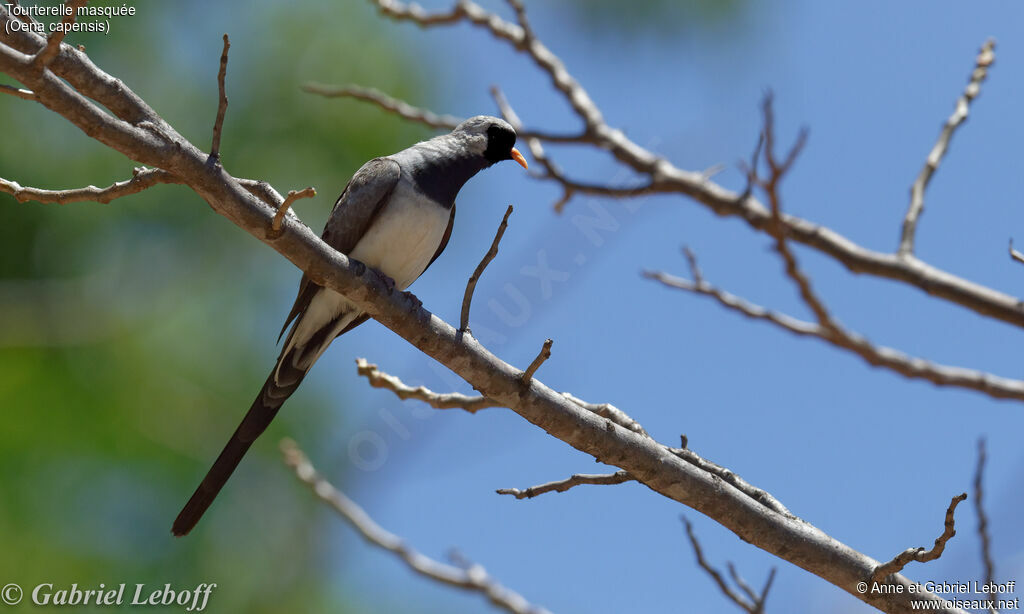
<point>222,102</point>
<point>293,195</point>
<point>563,485</point>
<point>979,507</point>
<point>451,400</point>
<point>18,92</point>
<point>750,170</point>
<point>545,353</point>
<point>1015,255</point>
<point>382,100</point>
<point>776,168</point>
<point>920,554</point>
<point>986,56</point>
<point>472,404</point>
<point>467,298</point>
<point>752,603</point>
<point>142,178</point>
<point>46,55</point>
<point>474,578</point>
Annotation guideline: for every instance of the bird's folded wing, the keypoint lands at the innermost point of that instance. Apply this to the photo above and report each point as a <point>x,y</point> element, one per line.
<point>359,203</point>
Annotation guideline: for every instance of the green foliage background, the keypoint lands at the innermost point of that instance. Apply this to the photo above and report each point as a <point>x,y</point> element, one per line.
<point>124,342</point>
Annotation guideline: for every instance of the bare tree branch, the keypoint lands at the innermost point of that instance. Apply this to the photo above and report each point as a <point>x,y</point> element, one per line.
<point>752,603</point>
<point>222,100</point>
<point>473,404</point>
<point>400,10</point>
<point>979,508</point>
<point>467,298</point>
<point>876,355</point>
<point>986,56</point>
<point>577,479</point>
<point>524,23</point>
<point>451,400</point>
<point>292,196</point>
<point>475,578</point>
<point>563,81</point>
<point>827,328</point>
<point>920,554</point>
<point>542,356</point>
<point>382,100</point>
<point>757,598</point>
<point>142,178</point>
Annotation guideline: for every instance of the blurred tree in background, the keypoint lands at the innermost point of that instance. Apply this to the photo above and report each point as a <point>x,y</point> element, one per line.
<point>125,345</point>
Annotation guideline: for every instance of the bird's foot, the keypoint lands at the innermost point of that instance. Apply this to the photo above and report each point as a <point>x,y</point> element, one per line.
<point>412,298</point>
<point>389,284</point>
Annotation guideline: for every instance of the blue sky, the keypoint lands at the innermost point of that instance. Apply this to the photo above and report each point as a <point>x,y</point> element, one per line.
<point>865,455</point>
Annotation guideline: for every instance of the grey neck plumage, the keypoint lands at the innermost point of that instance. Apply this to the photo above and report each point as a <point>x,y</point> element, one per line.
<point>440,167</point>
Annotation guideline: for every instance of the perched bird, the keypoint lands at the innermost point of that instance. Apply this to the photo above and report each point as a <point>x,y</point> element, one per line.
<point>395,215</point>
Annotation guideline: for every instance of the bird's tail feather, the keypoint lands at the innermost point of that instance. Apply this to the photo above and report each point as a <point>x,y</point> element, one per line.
<point>280,385</point>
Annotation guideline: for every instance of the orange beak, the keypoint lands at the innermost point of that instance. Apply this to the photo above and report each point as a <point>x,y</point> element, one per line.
<point>518,157</point>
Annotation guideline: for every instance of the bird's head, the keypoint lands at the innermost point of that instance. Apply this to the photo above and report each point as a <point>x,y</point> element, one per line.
<point>491,138</point>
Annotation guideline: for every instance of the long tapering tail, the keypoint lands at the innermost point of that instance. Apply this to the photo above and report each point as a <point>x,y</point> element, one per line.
<point>319,317</point>
<point>278,387</point>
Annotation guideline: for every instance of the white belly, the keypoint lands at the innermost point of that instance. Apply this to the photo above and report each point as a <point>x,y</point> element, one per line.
<point>400,243</point>
<point>404,237</point>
